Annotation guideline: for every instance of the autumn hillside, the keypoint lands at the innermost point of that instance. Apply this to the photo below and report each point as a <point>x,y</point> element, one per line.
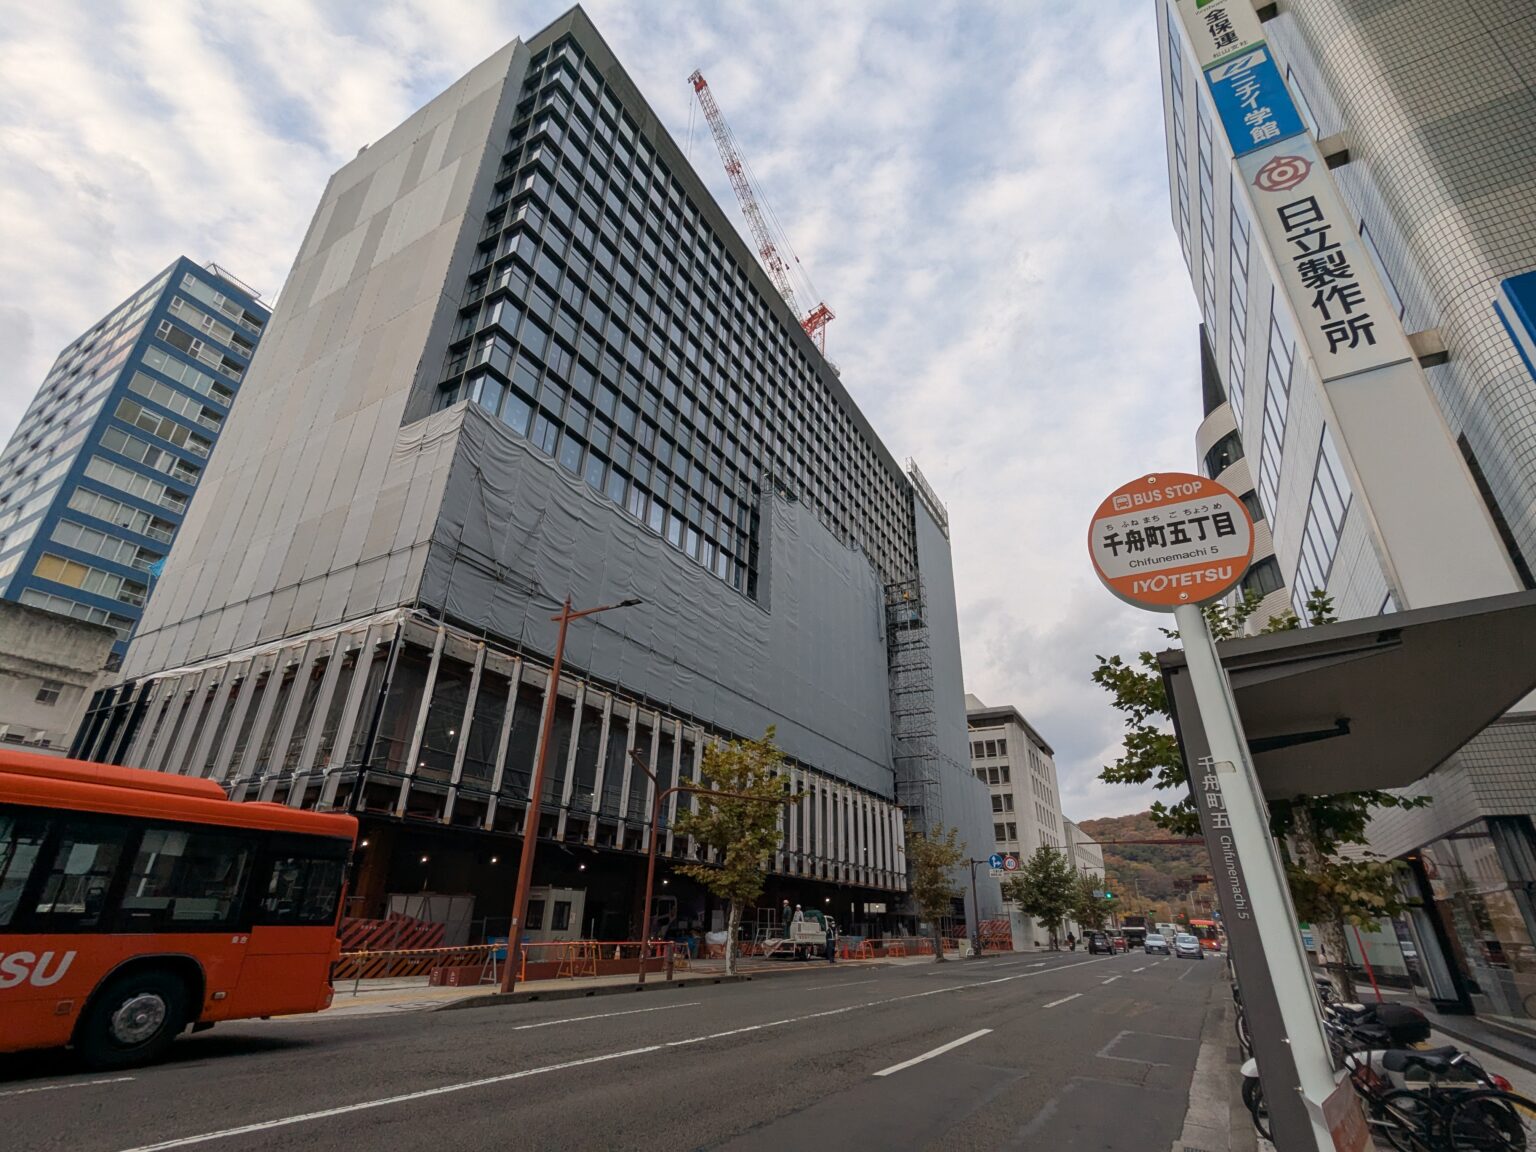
<point>1161,870</point>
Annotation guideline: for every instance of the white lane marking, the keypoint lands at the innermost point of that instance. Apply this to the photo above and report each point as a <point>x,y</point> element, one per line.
<point>425,1093</point>
<point>604,1016</point>
<point>1143,968</point>
<point>1111,980</point>
<point>1187,971</point>
<point>1063,1000</point>
<point>835,984</point>
<point>1039,965</point>
<point>939,1051</point>
<point>60,1087</point>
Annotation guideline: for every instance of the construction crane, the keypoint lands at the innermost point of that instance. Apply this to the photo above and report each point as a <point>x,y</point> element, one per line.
<point>779,270</point>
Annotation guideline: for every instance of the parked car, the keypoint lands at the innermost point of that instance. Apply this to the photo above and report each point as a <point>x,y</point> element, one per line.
<point>1157,944</point>
<point>1117,941</point>
<point>1098,942</point>
<point>1187,947</point>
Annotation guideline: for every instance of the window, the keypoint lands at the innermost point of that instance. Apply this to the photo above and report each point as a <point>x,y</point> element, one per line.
<point>1002,748</point>
<point>1250,501</point>
<point>127,480</point>
<point>997,803</point>
<point>77,881</point>
<point>187,878</point>
<point>1326,510</point>
<point>534,921</point>
<point>1223,454</point>
<point>178,402</point>
<point>1381,270</point>
<point>116,512</point>
<point>1013,831</point>
<point>1003,774</point>
<point>1237,331</point>
<point>1279,362</point>
<point>21,841</point>
<point>999,832</point>
<point>302,888</point>
<point>48,692</point>
<point>51,603</point>
<point>561,920</point>
<point>1263,577</point>
<point>76,575</point>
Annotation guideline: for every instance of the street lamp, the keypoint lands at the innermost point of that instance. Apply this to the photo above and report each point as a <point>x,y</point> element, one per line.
<point>650,861</point>
<point>536,791</point>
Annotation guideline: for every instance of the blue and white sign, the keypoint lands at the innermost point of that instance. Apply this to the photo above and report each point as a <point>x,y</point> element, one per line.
<point>995,860</point>
<point>1516,306</point>
<point>1252,100</point>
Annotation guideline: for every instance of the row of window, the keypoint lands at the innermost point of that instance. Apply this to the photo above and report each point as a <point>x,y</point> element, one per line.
<point>988,748</point>
<point>73,872</point>
<point>208,294</point>
<point>114,439</point>
<point>1002,802</point>
<point>73,574</point>
<point>1180,149</point>
<point>997,775</point>
<point>195,317</point>
<point>1237,333</point>
<point>1327,507</point>
<point>105,545</point>
<point>184,341</point>
<point>134,413</point>
<point>1005,833</point>
<point>100,469</point>
<point>123,515</point>
<point>1204,147</point>
<point>64,606</point>
<point>188,375</point>
<point>1279,365</point>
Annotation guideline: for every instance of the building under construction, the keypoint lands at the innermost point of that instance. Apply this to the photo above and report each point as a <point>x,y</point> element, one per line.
<point>523,354</point>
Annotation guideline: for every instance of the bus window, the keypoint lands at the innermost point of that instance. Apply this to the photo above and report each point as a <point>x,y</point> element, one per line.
<point>21,840</point>
<point>78,880</point>
<point>188,878</point>
<point>302,889</point>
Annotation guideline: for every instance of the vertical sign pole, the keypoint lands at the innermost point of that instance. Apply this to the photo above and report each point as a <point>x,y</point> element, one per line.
<point>1241,812</point>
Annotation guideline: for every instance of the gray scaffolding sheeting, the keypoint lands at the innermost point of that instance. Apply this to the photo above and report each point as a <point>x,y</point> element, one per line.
<point>516,533</point>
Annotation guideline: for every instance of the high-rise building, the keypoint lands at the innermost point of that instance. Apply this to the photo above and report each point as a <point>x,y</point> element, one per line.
<point>96,479</point>
<point>1385,483</point>
<point>1019,769</point>
<point>523,354</point>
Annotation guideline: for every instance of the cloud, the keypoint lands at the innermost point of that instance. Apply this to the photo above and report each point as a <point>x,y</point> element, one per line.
<point>978,190</point>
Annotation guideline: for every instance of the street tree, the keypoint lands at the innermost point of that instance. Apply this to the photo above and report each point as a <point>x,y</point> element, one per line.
<point>744,829</point>
<point>1089,907</point>
<point>1045,888</point>
<point>932,858</point>
<point>1329,889</point>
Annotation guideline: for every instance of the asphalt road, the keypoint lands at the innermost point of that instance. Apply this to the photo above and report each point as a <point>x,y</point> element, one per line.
<point>1027,1051</point>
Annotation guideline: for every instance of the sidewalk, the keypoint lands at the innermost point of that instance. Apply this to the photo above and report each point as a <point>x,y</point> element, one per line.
<point>413,994</point>
<point>1217,1119</point>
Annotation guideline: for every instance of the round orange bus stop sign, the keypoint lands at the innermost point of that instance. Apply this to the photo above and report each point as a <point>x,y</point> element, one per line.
<point>1172,539</point>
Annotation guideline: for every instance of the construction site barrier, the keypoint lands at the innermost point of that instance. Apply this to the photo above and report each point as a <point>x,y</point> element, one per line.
<point>537,960</point>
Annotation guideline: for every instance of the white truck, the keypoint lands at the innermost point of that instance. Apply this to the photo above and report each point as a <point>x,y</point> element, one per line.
<point>803,938</point>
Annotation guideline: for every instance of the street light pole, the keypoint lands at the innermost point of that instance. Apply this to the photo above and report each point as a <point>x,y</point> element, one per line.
<point>534,810</point>
<point>976,909</point>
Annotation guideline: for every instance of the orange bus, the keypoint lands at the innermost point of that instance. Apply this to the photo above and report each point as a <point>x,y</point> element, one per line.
<point>134,904</point>
<point>1208,932</point>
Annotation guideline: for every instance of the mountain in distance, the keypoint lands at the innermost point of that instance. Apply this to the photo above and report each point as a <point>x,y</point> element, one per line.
<point>1158,871</point>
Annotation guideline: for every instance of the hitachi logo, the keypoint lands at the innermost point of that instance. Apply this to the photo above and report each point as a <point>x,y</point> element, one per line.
<point>28,968</point>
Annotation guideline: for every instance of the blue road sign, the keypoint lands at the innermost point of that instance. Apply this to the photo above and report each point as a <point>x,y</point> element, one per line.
<point>995,860</point>
<point>1252,100</point>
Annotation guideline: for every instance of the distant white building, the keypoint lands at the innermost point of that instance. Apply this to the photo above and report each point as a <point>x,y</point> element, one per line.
<point>49,666</point>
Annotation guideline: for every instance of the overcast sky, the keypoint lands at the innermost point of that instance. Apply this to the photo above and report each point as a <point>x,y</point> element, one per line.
<point>977,190</point>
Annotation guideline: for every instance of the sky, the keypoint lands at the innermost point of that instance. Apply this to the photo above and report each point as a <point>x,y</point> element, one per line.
<point>978,190</point>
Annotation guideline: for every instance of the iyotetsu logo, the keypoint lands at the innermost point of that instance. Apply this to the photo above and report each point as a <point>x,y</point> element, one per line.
<point>29,968</point>
<point>1282,173</point>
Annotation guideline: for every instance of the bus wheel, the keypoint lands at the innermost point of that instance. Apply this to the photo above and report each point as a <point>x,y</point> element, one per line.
<point>132,1020</point>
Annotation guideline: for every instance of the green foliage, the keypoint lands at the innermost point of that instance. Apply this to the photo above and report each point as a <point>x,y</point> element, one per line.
<point>1150,873</point>
<point>1046,888</point>
<point>1089,907</point>
<point>931,860</point>
<point>1313,830</point>
<point>745,832</point>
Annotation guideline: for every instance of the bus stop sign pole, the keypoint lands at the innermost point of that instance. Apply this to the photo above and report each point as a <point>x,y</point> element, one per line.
<point>1173,542</point>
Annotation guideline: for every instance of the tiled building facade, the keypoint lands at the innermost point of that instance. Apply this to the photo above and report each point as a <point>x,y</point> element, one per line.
<point>1426,115</point>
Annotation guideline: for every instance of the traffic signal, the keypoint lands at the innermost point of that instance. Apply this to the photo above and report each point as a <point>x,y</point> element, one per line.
<point>1108,895</point>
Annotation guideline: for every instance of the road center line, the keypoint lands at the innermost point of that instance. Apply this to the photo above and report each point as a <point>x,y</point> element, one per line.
<point>604,1016</point>
<point>61,1087</point>
<point>1187,971</point>
<point>939,1051</point>
<point>426,1093</point>
<point>1063,1000</point>
<point>1111,980</point>
<point>1143,968</point>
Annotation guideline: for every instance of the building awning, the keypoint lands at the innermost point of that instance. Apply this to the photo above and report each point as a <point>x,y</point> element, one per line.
<point>1377,702</point>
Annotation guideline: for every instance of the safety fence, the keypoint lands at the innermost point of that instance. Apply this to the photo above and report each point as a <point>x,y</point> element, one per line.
<point>537,960</point>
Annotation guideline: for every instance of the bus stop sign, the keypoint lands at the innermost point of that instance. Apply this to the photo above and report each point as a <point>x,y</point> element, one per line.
<point>1171,539</point>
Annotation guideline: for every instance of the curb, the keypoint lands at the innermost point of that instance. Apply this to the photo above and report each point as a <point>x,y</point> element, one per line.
<point>576,992</point>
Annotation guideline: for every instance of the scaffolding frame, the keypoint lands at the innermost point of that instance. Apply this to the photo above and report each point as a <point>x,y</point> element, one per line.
<point>914,725</point>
